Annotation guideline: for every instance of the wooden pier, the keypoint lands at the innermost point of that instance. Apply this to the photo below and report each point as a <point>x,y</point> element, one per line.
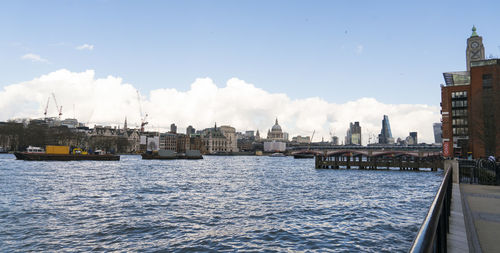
<point>373,160</point>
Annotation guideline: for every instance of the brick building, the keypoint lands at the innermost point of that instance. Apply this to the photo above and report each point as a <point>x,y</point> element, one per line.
<point>484,116</point>
<point>470,107</point>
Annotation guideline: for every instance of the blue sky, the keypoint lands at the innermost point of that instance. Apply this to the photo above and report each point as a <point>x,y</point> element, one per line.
<point>393,51</point>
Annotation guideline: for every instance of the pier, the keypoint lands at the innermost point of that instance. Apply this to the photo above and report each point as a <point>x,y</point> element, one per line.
<point>375,159</point>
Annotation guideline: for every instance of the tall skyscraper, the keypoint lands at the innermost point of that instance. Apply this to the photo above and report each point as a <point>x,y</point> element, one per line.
<point>437,132</point>
<point>385,136</point>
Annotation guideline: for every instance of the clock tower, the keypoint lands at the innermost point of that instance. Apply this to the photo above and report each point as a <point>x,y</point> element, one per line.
<point>475,48</point>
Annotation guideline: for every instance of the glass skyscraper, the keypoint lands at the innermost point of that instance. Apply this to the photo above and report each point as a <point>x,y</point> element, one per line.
<point>385,136</point>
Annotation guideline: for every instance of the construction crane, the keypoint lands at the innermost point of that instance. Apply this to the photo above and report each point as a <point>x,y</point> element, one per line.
<point>59,109</point>
<point>143,119</point>
<point>309,147</point>
<point>46,108</point>
<point>331,136</point>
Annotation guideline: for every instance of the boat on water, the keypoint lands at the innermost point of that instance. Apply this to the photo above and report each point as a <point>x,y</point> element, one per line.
<point>62,153</point>
<point>277,155</point>
<point>171,155</point>
<point>303,156</point>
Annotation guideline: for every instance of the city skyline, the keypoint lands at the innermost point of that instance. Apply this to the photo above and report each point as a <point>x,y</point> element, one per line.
<point>206,104</point>
<point>315,66</point>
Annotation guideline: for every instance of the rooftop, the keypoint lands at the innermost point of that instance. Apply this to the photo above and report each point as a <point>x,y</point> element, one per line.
<point>485,62</point>
<point>456,78</point>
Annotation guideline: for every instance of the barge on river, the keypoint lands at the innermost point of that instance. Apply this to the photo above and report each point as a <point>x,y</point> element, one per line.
<point>62,153</point>
<point>171,155</point>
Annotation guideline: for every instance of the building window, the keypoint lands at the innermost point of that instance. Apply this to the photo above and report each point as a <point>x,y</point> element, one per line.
<point>460,131</point>
<point>459,122</point>
<point>487,81</point>
<point>459,94</point>
<point>459,103</point>
<point>459,112</point>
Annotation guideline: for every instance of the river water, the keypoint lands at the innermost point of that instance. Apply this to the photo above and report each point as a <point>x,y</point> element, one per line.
<point>241,203</point>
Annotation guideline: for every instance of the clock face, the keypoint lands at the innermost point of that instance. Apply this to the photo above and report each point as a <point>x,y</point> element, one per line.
<point>474,44</point>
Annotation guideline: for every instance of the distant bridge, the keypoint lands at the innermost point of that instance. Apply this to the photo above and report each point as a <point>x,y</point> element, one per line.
<point>322,147</point>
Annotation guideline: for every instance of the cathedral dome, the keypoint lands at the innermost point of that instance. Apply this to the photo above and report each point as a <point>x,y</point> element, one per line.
<point>275,133</point>
<point>276,127</point>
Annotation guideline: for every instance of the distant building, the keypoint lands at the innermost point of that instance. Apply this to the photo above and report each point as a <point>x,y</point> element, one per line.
<point>168,141</point>
<point>300,139</point>
<point>274,146</point>
<point>250,134</point>
<point>353,134</point>
<point>286,136</point>
<point>153,143</point>
<point>470,124</point>
<point>230,133</point>
<point>275,133</point>
<point>412,139</point>
<point>173,128</point>
<point>335,140</point>
<point>133,137</point>
<point>401,142</point>
<point>437,132</point>
<point>245,145</point>
<point>385,136</point>
<point>183,144</point>
<point>70,123</point>
<point>245,141</point>
<point>196,143</point>
<point>214,140</point>
<point>190,130</point>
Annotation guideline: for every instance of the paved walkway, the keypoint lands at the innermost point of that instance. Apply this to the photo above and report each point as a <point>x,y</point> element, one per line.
<point>481,206</point>
<point>457,238</point>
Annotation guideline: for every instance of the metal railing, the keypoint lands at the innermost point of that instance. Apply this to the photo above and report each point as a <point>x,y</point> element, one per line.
<point>480,171</point>
<point>432,236</point>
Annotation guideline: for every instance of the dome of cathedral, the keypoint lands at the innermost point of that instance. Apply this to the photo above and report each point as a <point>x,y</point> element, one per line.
<point>276,127</point>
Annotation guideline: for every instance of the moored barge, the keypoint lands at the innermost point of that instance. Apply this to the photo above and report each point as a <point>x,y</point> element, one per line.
<point>62,153</point>
<point>171,155</point>
<point>64,157</point>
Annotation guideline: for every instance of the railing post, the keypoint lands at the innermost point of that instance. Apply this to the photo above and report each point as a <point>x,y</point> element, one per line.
<point>432,235</point>
<point>497,172</point>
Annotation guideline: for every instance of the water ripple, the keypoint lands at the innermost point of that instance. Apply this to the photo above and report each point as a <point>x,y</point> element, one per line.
<point>248,204</point>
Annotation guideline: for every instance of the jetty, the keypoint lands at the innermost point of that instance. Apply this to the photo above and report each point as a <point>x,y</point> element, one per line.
<point>376,159</point>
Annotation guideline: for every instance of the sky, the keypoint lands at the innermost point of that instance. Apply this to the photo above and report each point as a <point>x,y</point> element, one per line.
<point>241,63</point>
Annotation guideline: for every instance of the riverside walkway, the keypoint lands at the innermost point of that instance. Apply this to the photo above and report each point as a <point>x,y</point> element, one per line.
<point>457,237</point>
<point>482,216</point>
<point>474,217</point>
<point>463,217</point>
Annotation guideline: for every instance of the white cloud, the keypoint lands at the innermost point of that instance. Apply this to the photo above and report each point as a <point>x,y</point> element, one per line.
<point>34,58</point>
<point>85,47</point>
<point>240,104</point>
<point>359,49</point>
